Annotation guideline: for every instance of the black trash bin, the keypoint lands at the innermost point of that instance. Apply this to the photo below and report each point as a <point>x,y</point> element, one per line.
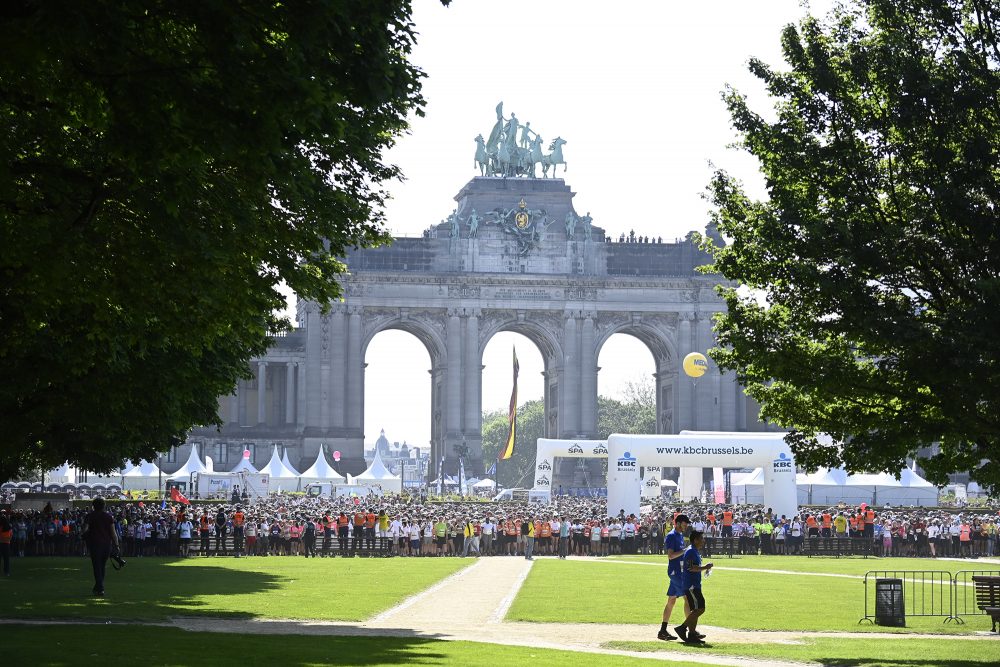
<point>889,603</point>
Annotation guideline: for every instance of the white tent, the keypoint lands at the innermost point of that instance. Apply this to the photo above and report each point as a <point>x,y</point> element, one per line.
<point>288,464</point>
<point>750,489</point>
<point>192,465</point>
<point>823,487</point>
<point>244,465</point>
<point>282,479</point>
<point>668,484</point>
<point>142,477</point>
<point>64,474</point>
<point>321,470</point>
<point>378,474</point>
<point>485,484</point>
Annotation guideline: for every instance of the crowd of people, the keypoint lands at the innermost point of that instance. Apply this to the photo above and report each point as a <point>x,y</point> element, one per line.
<point>284,525</point>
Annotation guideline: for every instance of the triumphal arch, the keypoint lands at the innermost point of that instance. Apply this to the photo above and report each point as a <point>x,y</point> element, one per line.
<point>515,255</point>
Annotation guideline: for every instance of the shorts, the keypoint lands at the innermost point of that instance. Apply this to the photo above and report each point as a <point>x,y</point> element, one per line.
<point>675,590</point>
<point>414,544</point>
<point>695,599</point>
<point>440,540</point>
<point>185,541</point>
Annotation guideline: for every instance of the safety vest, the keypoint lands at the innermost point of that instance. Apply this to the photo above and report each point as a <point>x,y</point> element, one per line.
<point>510,528</point>
<point>727,518</point>
<point>545,529</point>
<point>342,520</point>
<point>827,520</point>
<point>359,519</point>
<point>5,536</point>
<point>238,519</point>
<point>870,516</point>
<point>711,518</point>
<point>811,521</point>
<point>370,521</point>
<point>965,533</point>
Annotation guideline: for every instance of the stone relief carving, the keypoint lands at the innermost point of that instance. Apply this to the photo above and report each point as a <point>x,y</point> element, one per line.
<point>464,291</point>
<point>581,294</point>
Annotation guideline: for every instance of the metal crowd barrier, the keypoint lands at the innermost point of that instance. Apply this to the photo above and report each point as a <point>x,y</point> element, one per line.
<point>929,593</point>
<point>964,591</point>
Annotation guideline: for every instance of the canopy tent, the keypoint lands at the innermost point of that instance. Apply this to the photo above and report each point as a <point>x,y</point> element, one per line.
<point>750,489</point>
<point>823,487</point>
<point>377,474</point>
<point>142,477</point>
<point>64,474</point>
<point>288,464</point>
<point>192,465</point>
<point>282,479</point>
<point>833,486</point>
<point>485,484</point>
<point>244,464</point>
<point>668,484</point>
<point>321,470</point>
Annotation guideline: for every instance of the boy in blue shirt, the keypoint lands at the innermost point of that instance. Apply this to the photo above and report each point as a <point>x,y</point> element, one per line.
<point>691,569</point>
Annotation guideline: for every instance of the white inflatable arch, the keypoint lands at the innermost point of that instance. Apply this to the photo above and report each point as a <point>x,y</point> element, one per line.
<point>701,450</point>
<point>548,450</point>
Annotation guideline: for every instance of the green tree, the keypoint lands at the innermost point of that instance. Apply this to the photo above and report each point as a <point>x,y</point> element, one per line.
<point>874,264</point>
<point>635,413</point>
<point>164,167</point>
<point>517,470</point>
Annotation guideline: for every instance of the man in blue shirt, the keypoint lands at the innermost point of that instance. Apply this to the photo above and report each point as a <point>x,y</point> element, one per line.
<point>674,545</point>
<point>691,583</point>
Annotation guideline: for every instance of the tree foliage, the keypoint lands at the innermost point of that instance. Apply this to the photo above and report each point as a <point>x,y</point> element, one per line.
<point>164,167</point>
<point>877,252</point>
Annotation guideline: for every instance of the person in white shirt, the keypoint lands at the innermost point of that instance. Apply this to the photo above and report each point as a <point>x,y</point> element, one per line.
<point>795,543</point>
<point>184,528</point>
<point>397,537</point>
<point>933,533</point>
<point>488,530</point>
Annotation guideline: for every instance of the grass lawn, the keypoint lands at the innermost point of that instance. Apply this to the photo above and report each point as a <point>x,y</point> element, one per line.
<point>847,652</point>
<point>49,646</point>
<point>157,588</point>
<point>624,593</point>
<point>853,566</point>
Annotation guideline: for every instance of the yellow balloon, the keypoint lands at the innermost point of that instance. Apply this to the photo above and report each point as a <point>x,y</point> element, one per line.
<point>695,364</point>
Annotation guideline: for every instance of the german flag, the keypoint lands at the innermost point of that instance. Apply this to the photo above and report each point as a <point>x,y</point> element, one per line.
<point>508,448</point>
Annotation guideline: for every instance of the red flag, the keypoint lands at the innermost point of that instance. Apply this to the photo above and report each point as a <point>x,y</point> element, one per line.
<point>178,497</point>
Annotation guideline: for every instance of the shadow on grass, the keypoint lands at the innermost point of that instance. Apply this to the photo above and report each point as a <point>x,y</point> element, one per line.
<point>146,589</point>
<point>172,646</point>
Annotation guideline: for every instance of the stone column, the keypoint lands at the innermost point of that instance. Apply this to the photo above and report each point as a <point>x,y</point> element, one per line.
<point>727,401</point>
<point>300,395</point>
<point>337,382</point>
<point>472,393</point>
<point>234,405</point>
<point>588,381</point>
<point>355,371</point>
<point>261,392</point>
<point>244,407</point>
<point>453,409</point>
<point>685,387</point>
<point>570,411</point>
<point>290,392</point>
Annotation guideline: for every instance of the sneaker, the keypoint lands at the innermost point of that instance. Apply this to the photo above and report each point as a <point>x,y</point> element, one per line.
<point>698,635</point>
<point>693,640</point>
<point>682,632</point>
<point>664,635</point>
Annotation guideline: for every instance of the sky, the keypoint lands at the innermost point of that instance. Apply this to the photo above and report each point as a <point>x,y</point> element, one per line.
<point>635,90</point>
